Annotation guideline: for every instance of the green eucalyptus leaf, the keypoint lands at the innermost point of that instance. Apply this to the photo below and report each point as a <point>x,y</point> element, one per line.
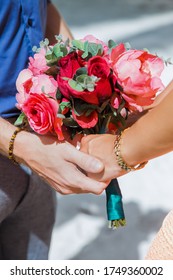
<point>60,50</point>
<point>128,46</point>
<point>57,51</point>
<point>58,38</point>
<point>95,49</point>
<point>76,86</point>
<point>112,44</point>
<point>87,82</point>
<point>63,105</point>
<point>80,71</point>
<point>82,79</point>
<point>48,56</point>
<point>53,60</point>
<point>78,44</point>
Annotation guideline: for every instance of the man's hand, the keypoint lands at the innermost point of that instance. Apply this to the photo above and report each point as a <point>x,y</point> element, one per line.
<point>102,147</point>
<point>60,164</point>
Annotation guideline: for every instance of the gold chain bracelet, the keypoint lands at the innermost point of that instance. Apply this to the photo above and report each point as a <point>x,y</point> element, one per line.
<point>119,158</point>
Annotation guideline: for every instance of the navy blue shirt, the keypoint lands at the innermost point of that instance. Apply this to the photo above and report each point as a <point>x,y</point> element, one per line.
<point>22,26</point>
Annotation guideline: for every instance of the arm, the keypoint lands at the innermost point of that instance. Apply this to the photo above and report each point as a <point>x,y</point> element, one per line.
<point>56,25</point>
<point>55,162</point>
<point>151,136</point>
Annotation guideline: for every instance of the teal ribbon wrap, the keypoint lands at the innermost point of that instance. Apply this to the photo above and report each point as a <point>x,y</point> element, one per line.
<point>114,204</point>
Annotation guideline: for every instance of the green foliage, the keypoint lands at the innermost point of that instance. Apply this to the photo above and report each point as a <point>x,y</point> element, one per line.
<point>88,49</point>
<point>21,120</point>
<point>70,122</point>
<point>112,44</point>
<point>82,108</point>
<point>83,82</point>
<point>63,105</point>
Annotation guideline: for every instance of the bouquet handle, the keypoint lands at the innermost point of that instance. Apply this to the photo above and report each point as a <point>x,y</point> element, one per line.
<point>114,204</point>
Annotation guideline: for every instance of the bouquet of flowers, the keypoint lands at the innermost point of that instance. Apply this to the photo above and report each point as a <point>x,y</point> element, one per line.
<point>86,86</point>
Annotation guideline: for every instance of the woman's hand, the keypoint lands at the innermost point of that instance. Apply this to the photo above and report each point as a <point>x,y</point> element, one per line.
<point>102,147</point>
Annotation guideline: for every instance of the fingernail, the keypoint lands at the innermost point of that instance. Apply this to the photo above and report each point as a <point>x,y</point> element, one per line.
<point>97,165</point>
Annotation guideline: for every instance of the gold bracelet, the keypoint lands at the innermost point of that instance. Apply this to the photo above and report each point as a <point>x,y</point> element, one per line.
<point>11,145</point>
<point>119,158</point>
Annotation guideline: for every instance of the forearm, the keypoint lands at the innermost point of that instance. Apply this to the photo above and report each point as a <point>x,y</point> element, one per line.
<point>56,25</point>
<point>152,135</point>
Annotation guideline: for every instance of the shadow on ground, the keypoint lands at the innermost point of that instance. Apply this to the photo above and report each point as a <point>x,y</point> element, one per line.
<point>122,243</point>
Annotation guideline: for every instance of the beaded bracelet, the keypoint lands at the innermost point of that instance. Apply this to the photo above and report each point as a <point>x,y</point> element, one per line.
<point>11,145</point>
<point>120,160</point>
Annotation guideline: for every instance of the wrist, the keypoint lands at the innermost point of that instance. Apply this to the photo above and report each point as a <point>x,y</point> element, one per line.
<point>124,154</point>
<point>24,147</point>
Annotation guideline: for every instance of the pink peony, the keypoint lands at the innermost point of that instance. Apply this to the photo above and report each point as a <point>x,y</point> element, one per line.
<point>37,64</point>
<point>138,72</point>
<point>44,84</point>
<point>23,90</point>
<point>27,83</point>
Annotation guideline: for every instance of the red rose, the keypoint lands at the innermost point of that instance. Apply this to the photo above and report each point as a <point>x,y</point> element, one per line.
<point>103,90</point>
<point>98,67</point>
<point>86,121</point>
<point>68,65</point>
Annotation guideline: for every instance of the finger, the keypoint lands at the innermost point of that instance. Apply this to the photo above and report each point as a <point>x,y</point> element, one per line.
<point>86,184</point>
<point>62,189</point>
<point>86,162</point>
<point>88,138</point>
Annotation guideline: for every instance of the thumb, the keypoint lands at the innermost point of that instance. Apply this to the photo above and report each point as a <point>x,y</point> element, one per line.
<point>86,162</point>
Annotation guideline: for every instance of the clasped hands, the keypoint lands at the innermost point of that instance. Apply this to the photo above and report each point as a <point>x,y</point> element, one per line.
<point>68,170</point>
<point>102,148</point>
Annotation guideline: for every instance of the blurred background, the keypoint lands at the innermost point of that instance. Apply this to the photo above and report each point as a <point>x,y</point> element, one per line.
<point>81,230</point>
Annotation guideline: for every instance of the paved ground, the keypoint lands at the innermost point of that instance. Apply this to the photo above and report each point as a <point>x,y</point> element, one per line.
<point>81,229</point>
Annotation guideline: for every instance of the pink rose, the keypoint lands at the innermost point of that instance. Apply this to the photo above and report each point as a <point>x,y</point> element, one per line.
<point>138,73</point>
<point>86,121</point>
<point>41,113</point>
<point>37,64</point>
